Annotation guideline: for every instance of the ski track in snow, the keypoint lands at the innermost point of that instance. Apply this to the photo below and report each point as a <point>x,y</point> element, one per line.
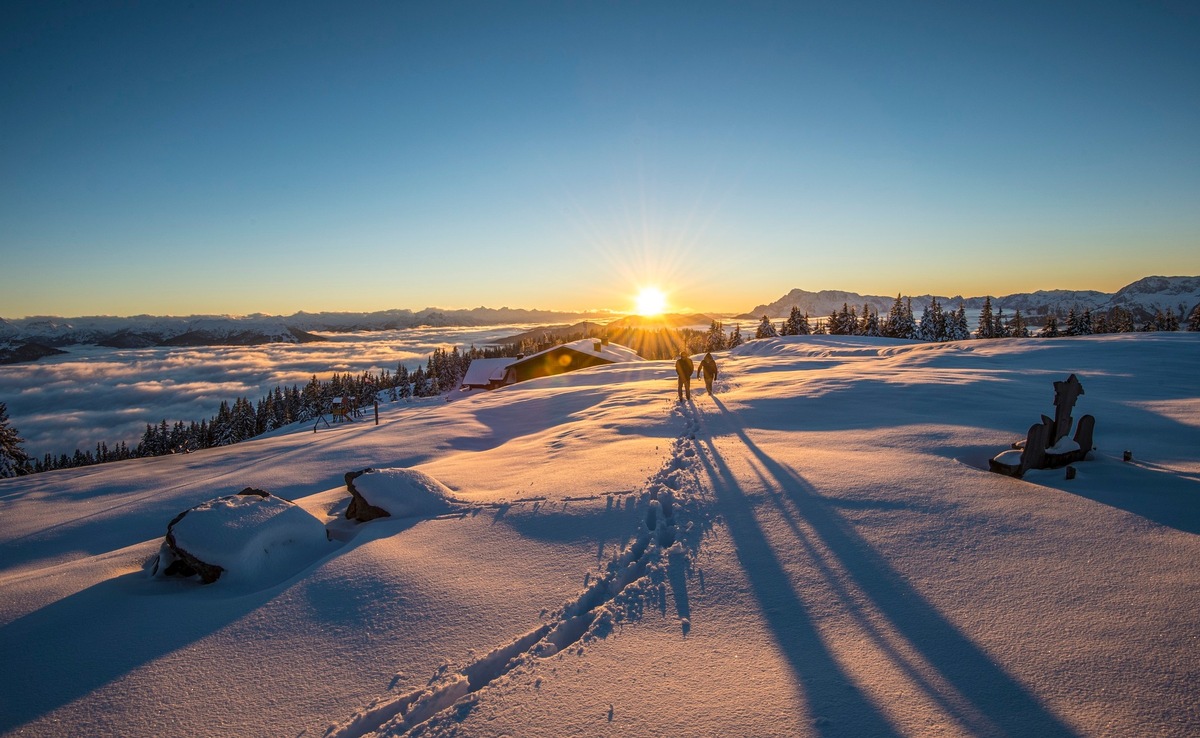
<point>667,537</point>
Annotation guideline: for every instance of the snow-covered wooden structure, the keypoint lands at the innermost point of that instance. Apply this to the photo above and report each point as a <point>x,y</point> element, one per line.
<point>569,357</point>
<point>1047,446</point>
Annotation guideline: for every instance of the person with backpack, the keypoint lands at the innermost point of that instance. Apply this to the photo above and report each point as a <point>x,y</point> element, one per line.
<point>708,365</point>
<point>684,368</point>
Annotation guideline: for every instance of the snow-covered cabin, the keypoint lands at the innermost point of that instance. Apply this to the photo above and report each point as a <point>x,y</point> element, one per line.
<point>492,373</point>
<point>486,373</point>
<point>569,357</point>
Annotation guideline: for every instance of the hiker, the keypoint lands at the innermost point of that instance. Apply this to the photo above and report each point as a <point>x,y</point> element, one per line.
<point>708,365</point>
<point>684,368</point>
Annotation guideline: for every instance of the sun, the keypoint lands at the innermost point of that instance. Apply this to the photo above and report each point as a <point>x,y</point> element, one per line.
<point>651,301</point>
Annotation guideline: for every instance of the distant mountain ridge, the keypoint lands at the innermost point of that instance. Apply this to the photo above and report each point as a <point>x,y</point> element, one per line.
<point>1141,298</point>
<point>142,331</point>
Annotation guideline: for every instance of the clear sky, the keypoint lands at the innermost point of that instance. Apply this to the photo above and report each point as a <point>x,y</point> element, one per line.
<point>178,158</point>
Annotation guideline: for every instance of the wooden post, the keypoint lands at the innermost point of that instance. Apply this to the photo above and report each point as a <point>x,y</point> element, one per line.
<point>377,411</point>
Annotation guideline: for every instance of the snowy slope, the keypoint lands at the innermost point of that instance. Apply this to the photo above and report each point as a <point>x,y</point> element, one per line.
<point>816,550</point>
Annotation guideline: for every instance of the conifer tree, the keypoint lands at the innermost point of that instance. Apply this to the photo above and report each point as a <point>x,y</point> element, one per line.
<point>14,462</point>
<point>1120,320</point>
<point>870,325</point>
<point>891,324</point>
<point>1018,328</point>
<point>1170,320</point>
<point>1085,323</point>
<point>1072,324</point>
<point>925,329</point>
<point>1193,322</point>
<point>714,340</point>
<point>957,328</point>
<point>1050,329</point>
<point>735,336</point>
<point>765,329</point>
<point>833,324</point>
<point>999,324</point>
<point>987,323</point>
<point>909,325</point>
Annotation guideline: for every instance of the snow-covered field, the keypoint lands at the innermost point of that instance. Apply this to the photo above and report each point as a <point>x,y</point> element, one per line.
<point>815,550</point>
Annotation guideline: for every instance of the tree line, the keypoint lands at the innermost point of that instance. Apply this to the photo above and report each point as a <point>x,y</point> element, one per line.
<point>938,323</point>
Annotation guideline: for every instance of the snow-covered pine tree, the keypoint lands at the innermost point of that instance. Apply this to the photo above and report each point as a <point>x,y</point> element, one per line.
<point>420,383</point>
<point>791,326</point>
<point>765,329</point>
<point>403,383</point>
<point>243,420</point>
<point>715,339</point>
<point>925,329</point>
<point>941,324</point>
<point>864,318</point>
<point>222,428</point>
<point>891,324</point>
<point>1017,327</point>
<point>1072,325</point>
<point>833,324</point>
<point>1085,322</point>
<point>735,336</point>
<point>1170,320</point>
<point>14,462</point>
<point>987,322</point>
<point>871,328</point>
<point>1000,324</point>
<point>909,324</point>
<point>956,325</point>
<point>1193,322</point>
<point>1120,320</point>
<point>1100,324</point>
<point>1050,329</point>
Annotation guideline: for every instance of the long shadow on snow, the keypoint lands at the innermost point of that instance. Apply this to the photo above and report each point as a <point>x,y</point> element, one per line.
<point>1161,495</point>
<point>616,523</point>
<point>1005,706</point>
<point>835,704</point>
<point>73,646</point>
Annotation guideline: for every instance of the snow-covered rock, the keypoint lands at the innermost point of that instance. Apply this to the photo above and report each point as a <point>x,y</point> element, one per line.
<point>398,493</point>
<point>247,536</point>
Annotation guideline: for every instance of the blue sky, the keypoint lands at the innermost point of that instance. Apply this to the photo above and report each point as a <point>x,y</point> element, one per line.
<point>173,158</point>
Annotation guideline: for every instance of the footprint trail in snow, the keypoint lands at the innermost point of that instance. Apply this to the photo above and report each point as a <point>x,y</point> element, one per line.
<point>668,536</point>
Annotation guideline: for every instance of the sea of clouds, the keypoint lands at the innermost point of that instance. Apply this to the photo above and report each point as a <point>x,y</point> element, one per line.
<point>95,394</point>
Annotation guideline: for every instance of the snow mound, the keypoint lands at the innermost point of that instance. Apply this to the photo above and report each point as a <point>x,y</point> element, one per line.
<point>404,493</point>
<point>250,537</point>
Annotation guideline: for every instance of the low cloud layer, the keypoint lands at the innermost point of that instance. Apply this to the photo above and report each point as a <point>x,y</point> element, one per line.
<point>95,394</point>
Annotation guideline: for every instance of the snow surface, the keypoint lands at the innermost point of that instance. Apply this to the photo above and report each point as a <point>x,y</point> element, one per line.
<point>815,550</point>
